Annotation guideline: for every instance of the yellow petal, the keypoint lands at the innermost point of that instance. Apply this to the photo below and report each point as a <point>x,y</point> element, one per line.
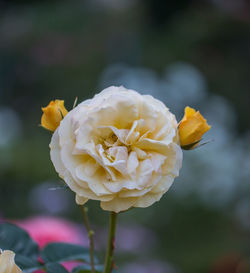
<point>192,127</point>
<point>53,114</point>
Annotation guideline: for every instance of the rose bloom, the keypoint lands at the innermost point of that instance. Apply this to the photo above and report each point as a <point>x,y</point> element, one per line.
<point>191,128</point>
<point>7,262</point>
<point>120,148</point>
<point>53,114</point>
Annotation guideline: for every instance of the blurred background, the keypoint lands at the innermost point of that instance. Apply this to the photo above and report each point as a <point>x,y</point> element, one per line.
<point>185,52</point>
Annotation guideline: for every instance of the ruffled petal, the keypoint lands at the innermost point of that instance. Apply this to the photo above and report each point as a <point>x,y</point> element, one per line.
<point>148,200</point>
<point>55,155</point>
<point>119,204</point>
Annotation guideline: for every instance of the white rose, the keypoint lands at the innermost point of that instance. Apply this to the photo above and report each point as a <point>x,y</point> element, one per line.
<point>120,147</point>
<point>7,262</point>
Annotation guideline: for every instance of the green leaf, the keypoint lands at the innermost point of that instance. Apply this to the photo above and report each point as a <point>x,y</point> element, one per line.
<point>80,269</point>
<point>55,268</point>
<point>87,269</point>
<point>61,252</point>
<point>16,239</point>
<point>26,250</point>
<point>26,264</point>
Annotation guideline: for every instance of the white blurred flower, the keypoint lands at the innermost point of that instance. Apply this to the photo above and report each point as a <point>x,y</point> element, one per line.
<point>183,85</point>
<point>141,79</point>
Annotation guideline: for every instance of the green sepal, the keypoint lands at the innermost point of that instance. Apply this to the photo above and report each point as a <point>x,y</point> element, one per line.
<point>190,146</point>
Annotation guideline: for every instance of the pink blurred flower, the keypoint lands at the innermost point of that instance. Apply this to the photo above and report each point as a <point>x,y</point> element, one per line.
<point>44,230</point>
<point>68,265</point>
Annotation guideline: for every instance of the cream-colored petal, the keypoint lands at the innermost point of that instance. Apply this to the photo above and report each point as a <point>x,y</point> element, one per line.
<point>108,92</point>
<point>84,135</point>
<point>66,128</point>
<point>163,185</point>
<point>125,108</point>
<point>173,162</point>
<point>116,186</point>
<point>55,154</point>
<point>120,155</point>
<point>70,161</point>
<point>95,182</point>
<point>165,134</point>
<point>119,204</point>
<point>7,263</point>
<point>145,179</point>
<point>148,200</point>
<point>157,160</point>
<point>156,104</point>
<point>133,193</point>
<point>133,135</point>
<point>179,157</point>
<point>116,164</point>
<point>83,192</point>
<point>147,144</point>
<point>140,153</point>
<point>149,115</point>
<point>132,164</point>
<point>90,149</point>
<point>137,193</point>
<point>144,173</point>
<point>90,167</point>
<point>81,200</point>
<point>120,133</point>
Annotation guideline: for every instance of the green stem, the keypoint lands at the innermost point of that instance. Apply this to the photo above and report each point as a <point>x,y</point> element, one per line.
<point>109,261</point>
<point>90,235</point>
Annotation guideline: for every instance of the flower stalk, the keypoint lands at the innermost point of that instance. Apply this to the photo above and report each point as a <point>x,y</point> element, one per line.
<point>109,261</point>
<point>84,211</point>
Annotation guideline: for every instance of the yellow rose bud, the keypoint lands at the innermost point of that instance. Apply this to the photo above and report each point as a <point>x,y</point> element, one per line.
<point>7,262</point>
<point>191,128</point>
<point>53,114</point>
